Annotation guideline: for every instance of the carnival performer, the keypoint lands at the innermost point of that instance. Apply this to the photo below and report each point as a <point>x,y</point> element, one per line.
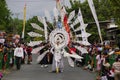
<point>19,55</point>
<point>57,65</point>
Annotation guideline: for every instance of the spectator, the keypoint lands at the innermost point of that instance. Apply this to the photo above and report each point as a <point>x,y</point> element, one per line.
<point>98,62</point>
<point>105,69</point>
<point>29,50</point>
<point>89,67</point>
<point>5,55</point>
<point>116,67</point>
<point>18,53</point>
<point>11,54</point>
<point>1,75</point>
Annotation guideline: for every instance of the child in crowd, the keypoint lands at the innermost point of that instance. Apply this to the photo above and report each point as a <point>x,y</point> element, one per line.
<point>88,67</point>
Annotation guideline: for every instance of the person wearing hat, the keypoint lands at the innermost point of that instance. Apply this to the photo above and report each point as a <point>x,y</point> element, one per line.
<point>116,67</point>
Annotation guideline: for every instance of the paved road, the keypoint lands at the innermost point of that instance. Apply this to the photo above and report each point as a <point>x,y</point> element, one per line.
<point>35,72</point>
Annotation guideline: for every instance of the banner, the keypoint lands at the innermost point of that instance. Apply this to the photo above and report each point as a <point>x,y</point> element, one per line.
<point>33,43</point>
<point>62,13</point>
<point>80,17</point>
<point>45,29</point>
<point>58,5</point>
<point>24,21</point>
<point>34,34</point>
<point>82,27</point>
<point>90,2</point>
<point>36,26</point>
<point>71,16</point>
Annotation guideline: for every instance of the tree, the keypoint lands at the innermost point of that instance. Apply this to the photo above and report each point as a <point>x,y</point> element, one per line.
<point>105,9</point>
<point>29,29</point>
<point>116,7</point>
<point>4,15</point>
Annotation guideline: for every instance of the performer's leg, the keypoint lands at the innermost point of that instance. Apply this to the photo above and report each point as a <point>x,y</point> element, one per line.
<point>53,64</point>
<point>61,66</point>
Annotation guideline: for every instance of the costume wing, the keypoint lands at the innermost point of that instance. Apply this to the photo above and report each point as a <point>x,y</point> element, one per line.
<point>40,57</point>
<point>70,61</point>
<point>36,50</point>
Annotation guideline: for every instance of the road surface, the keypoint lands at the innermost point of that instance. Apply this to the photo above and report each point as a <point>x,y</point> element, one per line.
<point>35,72</point>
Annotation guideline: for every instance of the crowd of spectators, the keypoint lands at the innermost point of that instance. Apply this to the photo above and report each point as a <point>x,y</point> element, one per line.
<point>102,59</point>
<point>9,53</point>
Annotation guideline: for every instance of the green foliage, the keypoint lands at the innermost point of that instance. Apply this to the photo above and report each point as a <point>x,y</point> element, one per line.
<point>4,16</point>
<point>29,28</point>
<point>16,26</point>
<point>105,9</point>
<point>116,10</point>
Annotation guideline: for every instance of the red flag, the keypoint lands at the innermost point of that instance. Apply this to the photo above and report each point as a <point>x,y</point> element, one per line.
<point>67,28</point>
<point>66,25</point>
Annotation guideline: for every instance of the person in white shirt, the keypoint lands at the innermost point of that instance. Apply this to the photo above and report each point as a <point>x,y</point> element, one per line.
<point>19,55</point>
